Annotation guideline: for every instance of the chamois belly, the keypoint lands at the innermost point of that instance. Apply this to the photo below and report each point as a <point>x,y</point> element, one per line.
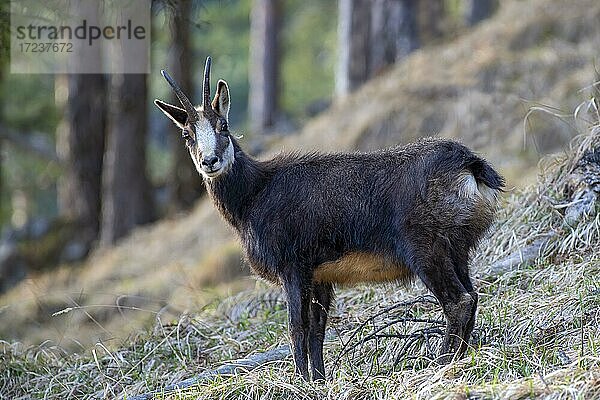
<point>354,268</point>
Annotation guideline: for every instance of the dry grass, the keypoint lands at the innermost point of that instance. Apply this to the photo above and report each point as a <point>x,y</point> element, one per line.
<point>537,335</point>
<point>163,270</point>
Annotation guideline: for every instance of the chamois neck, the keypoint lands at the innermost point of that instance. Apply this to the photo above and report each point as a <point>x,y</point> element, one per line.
<point>234,192</point>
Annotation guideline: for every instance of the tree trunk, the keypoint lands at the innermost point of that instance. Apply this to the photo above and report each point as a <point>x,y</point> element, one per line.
<point>478,10</point>
<point>385,28</point>
<point>126,195</point>
<point>4,55</point>
<point>185,186</point>
<point>80,145</point>
<point>263,94</point>
<point>354,18</point>
<point>408,36</point>
<point>373,35</point>
<point>432,19</point>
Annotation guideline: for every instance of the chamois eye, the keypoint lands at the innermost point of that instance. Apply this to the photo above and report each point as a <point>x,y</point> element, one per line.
<point>222,125</point>
<point>185,134</point>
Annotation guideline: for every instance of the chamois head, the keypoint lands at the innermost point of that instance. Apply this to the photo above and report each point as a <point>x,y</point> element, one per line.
<point>205,128</point>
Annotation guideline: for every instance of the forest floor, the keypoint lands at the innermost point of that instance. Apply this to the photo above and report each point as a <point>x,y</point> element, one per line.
<point>537,333</point>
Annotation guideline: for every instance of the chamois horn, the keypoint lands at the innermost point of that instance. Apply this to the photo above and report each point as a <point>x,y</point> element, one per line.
<point>206,86</point>
<point>183,99</point>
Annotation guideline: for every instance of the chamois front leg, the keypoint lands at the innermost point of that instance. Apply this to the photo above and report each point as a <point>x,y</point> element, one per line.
<point>319,309</point>
<point>298,298</point>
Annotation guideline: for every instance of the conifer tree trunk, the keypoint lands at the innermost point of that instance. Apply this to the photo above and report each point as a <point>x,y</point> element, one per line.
<point>354,18</point>
<point>385,28</point>
<point>263,79</point>
<point>81,148</point>
<point>432,17</point>
<point>372,35</point>
<point>408,35</point>
<point>80,145</point>
<point>126,196</point>
<point>185,186</point>
<point>478,10</point>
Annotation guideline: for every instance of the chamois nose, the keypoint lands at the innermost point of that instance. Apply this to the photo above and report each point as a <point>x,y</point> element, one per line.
<point>210,160</point>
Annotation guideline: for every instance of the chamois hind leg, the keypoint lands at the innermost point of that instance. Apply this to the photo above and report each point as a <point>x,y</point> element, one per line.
<point>298,298</point>
<point>461,267</point>
<point>471,323</point>
<point>319,308</point>
<point>436,270</point>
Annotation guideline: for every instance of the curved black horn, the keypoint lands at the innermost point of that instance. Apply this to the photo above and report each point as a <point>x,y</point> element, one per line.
<point>185,102</point>
<point>206,87</point>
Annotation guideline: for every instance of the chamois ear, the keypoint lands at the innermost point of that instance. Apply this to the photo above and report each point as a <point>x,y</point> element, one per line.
<point>175,114</point>
<point>221,101</point>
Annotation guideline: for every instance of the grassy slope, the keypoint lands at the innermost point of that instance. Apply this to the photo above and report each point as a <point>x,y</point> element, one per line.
<point>538,331</point>
<point>534,50</point>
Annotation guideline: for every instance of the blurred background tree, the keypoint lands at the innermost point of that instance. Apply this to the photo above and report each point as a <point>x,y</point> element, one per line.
<point>4,55</point>
<point>264,64</point>
<point>80,144</point>
<point>126,192</point>
<point>372,35</point>
<point>478,10</point>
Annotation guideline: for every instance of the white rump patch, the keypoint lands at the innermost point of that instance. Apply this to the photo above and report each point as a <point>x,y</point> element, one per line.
<point>469,187</point>
<point>489,194</point>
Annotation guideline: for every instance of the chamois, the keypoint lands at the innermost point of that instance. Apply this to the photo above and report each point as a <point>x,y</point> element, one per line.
<point>309,221</point>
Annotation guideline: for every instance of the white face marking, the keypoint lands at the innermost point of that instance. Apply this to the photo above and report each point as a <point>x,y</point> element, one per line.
<point>227,160</point>
<point>205,137</point>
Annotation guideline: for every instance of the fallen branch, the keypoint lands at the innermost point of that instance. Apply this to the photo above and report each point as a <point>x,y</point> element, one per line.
<point>583,193</point>
<point>520,257</point>
<point>233,368</point>
<point>352,343</point>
